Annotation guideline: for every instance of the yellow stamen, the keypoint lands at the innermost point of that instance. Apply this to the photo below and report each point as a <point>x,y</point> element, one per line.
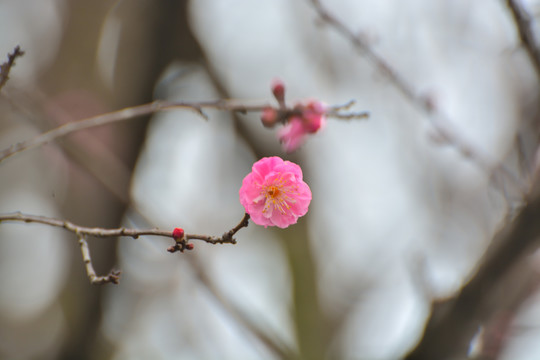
<point>278,196</point>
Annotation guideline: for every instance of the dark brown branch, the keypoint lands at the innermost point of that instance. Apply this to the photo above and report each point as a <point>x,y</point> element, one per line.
<point>5,68</point>
<point>453,323</point>
<point>525,31</point>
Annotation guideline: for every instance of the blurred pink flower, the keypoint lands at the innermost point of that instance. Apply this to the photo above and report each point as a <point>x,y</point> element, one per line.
<point>274,193</point>
<point>311,120</point>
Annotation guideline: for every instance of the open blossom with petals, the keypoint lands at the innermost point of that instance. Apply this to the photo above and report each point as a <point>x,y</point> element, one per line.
<point>311,120</point>
<point>274,193</point>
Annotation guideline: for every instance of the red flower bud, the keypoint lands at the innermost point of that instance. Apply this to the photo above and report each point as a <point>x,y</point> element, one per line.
<point>189,246</point>
<point>178,233</point>
<point>269,117</point>
<point>278,89</point>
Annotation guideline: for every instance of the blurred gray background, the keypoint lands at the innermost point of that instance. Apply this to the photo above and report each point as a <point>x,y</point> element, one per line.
<point>400,217</point>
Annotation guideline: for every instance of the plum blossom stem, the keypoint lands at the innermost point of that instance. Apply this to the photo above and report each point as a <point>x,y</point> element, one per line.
<point>227,237</point>
<point>82,232</point>
<point>124,114</point>
<point>336,112</point>
<point>141,110</point>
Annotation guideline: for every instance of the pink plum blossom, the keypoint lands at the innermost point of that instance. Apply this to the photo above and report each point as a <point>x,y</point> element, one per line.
<point>274,193</point>
<point>311,119</point>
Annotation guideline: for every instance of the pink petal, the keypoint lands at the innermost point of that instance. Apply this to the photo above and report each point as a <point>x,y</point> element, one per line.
<point>289,204</point>
<point>292,135</point>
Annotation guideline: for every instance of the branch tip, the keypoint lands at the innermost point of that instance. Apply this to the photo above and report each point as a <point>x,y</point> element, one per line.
<point>5,68</point>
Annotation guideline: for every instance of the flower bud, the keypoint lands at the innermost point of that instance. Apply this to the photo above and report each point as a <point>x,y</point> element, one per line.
<point>278,89</point>
<point>189,246</point>
<point>313,115</point>
<point>269,117</point>
<point>178,233</point>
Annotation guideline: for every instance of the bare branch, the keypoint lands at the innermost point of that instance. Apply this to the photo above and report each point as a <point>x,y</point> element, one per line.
<point>112,277</point>
<point>226,238</point>
<point>141,110</point>
<point>121,115</point>
<point>5,68</point>
<point>525,31</point>
<point>82,232</point>
<point>454,322</point>
<point>381,64</point>
<point>445,131</point>
<point>272,341</point>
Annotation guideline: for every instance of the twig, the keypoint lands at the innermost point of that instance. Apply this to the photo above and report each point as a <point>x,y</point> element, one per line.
<point>446,133</point>
<point>377,60</point>
<point>112,277</point>
<point>272,341</point>
<point>82,232</point>
<point>453,323</point>
<point>227,237</point>
<point>120,115</point>
<point>526,34</point>
<point>5,68</point>
<point>141,110</point>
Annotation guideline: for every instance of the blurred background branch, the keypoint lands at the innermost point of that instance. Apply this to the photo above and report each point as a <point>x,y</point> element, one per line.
<point>337,285</point>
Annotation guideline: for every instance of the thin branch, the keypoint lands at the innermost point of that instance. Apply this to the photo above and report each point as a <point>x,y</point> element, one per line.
<point>453,322</point>
<point>82,232</point>
<point>141,110</point>
<point>112,277</point>
<point>227,237</point>
<point>5,68</point>
<point>525,31</point>
<point>445,131</point>
<point>121,115</point>
<point>272,341</point>
<point>360,44</point>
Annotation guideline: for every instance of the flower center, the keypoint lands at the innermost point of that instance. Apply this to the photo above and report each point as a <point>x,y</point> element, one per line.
<point>273,191</point>
<point>278,197</point>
